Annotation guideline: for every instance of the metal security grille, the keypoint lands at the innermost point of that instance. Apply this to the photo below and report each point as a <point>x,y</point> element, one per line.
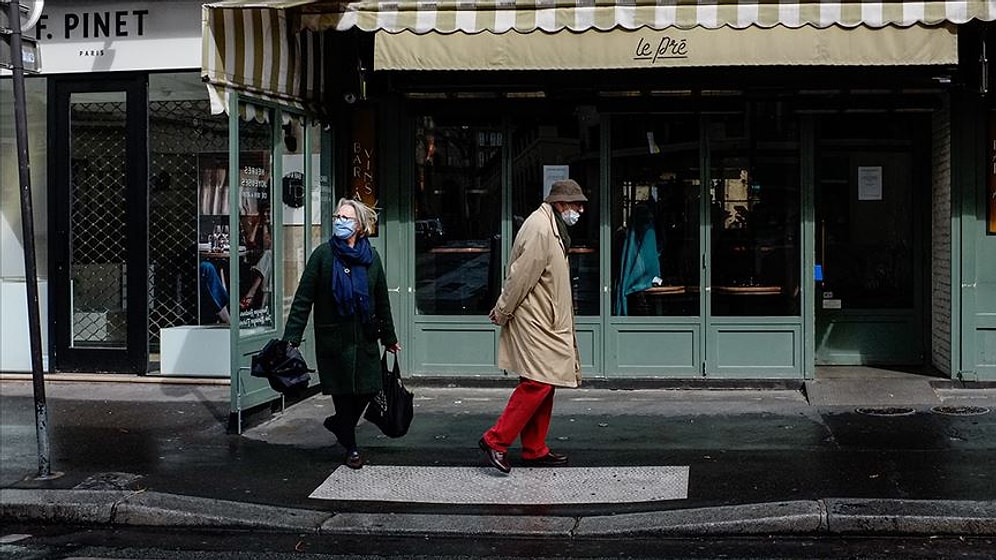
<point>97,223</point>
<point>178,132</point>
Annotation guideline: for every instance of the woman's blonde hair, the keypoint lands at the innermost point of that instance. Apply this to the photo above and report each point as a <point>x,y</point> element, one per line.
<point>365,215</point>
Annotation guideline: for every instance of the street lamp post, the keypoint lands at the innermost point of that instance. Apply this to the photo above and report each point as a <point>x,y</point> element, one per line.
<point>12,35</point>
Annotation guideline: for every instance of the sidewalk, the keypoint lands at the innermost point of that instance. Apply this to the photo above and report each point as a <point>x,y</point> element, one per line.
<point>759,462</point>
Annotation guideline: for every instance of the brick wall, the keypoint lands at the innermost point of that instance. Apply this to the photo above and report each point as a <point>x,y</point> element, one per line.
<point>940,245</point>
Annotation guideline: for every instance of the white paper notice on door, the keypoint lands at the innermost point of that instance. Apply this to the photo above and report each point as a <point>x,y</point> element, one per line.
<point>870,183</point>
<point>552,174</point>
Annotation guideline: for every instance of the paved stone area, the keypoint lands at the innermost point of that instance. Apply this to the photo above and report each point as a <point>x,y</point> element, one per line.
<point>523,486</point>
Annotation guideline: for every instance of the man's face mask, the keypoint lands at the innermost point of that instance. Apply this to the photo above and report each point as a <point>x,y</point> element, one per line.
<point>570,216</point>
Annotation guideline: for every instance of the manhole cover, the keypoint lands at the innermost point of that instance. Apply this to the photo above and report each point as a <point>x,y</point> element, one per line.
<point>960,410</point>
<point>886,411</point>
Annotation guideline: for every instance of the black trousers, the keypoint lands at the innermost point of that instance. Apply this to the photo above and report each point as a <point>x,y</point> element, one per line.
<point>348,410</point>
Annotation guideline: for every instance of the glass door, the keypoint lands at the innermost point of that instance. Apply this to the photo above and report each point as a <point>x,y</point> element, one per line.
<point>99,259</point>
<point>868,240</point>
<point>655,201</point>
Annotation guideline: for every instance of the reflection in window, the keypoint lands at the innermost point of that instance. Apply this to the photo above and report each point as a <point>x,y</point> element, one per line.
<point>655,188</point>
<point>754,211</point>
<point>457,199</point>
<point>554,147</point>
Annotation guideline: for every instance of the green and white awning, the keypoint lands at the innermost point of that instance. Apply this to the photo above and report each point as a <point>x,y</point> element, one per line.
<point>500,16</point>
<point>273,49</point>
<point>261,51</point>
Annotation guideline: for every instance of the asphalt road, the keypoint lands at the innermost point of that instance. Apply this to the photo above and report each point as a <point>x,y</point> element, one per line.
<point>75,544</point>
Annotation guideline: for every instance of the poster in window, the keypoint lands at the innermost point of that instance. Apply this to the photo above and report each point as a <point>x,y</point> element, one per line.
<point>218,251</point>
<point>255,223</point>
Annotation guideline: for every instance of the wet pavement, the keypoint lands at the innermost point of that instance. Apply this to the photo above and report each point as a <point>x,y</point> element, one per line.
<point>741,447</point>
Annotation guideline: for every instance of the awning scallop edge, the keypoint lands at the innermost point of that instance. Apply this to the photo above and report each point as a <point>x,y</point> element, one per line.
<point>501,16</point>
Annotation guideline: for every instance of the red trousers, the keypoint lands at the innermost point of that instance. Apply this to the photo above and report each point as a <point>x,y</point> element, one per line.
<point>527,414</point>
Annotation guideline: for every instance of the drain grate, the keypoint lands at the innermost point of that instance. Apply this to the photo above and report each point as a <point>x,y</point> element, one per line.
<point>885,410</point>
<point>960,410</point>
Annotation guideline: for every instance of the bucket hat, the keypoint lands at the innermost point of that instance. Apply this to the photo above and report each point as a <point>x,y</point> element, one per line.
<point>566,191</point>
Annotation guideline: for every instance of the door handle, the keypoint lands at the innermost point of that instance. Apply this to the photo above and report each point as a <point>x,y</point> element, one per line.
<point>395,290</point>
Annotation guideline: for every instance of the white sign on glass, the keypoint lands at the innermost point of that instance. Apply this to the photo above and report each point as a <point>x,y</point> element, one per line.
<point>552,174</point>
<point>870,183</point>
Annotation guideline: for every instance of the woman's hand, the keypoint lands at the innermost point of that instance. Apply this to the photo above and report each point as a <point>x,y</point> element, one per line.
<point>394,348</point>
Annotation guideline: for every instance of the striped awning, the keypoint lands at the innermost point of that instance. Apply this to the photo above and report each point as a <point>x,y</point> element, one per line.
<point>259,48</point>
<point>273,49</point>
<point>500,16</point>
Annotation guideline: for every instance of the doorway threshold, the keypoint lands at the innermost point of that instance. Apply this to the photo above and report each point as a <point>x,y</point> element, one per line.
<point>871,386</point>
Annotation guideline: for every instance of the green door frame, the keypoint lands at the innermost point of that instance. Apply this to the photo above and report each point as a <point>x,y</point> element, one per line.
<point>246,391</point>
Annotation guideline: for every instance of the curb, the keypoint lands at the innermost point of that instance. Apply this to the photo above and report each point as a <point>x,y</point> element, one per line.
<point>832,516</point>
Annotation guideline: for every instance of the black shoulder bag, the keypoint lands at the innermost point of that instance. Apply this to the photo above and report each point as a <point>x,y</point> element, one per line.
<point>391,409</point>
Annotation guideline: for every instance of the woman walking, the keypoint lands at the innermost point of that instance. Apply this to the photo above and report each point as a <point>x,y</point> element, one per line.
<point>344,282</point>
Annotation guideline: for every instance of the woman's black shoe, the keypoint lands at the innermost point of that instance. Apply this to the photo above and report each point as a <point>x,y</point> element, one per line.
<point>354,460</point>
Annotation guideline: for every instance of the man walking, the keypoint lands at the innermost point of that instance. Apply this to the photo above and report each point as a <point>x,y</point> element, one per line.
<point>536,313</point>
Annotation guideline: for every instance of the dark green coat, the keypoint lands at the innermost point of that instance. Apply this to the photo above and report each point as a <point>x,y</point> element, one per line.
<point>348,358</point>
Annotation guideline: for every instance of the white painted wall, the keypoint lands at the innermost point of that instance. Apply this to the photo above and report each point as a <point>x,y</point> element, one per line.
<point>15,347</point>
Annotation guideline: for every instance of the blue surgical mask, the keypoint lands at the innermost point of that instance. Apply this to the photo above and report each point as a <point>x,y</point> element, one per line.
<point>571,216</point>
<point>343,228</point>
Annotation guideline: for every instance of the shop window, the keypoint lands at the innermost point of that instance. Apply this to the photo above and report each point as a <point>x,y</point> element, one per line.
<point>561,146</point>
<point>187,163</point>
<point>754,198</point>
<point>457,203</point>
<point>655,189</point>
<point>252,252</point>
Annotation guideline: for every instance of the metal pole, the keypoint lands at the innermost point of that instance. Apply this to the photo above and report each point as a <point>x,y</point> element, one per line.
<point>28,231</point>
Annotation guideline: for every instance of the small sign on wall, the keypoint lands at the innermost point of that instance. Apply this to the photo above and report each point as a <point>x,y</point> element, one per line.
<point>363,159</point>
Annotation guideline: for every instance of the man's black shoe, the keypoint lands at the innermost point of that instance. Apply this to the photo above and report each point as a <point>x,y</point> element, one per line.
<point>495,457</point>
<point>551,459</point>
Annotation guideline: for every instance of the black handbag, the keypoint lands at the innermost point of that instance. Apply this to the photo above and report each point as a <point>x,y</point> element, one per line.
<point>283,366</point>
<point>391,409</point>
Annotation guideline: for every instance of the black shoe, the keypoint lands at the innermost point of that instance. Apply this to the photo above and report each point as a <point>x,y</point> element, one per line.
<point>551,459</point>
<point>495,457</point>
<point>354,460</point>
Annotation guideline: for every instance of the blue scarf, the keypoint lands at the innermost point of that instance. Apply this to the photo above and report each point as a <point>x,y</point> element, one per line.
<point>350,288</point>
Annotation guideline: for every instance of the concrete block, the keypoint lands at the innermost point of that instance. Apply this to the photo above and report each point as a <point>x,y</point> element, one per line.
<point>197,350</point>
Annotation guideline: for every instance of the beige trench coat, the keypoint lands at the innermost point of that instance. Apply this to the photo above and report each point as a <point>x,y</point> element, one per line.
<point>535,307</point>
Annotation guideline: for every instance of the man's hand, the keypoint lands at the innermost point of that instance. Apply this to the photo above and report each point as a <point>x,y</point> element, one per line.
<point>394,348</point>
<point>497,318</point>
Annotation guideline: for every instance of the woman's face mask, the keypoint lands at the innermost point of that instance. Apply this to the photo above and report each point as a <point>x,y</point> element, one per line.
<point>571,216</point>
<point>343,228</point>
